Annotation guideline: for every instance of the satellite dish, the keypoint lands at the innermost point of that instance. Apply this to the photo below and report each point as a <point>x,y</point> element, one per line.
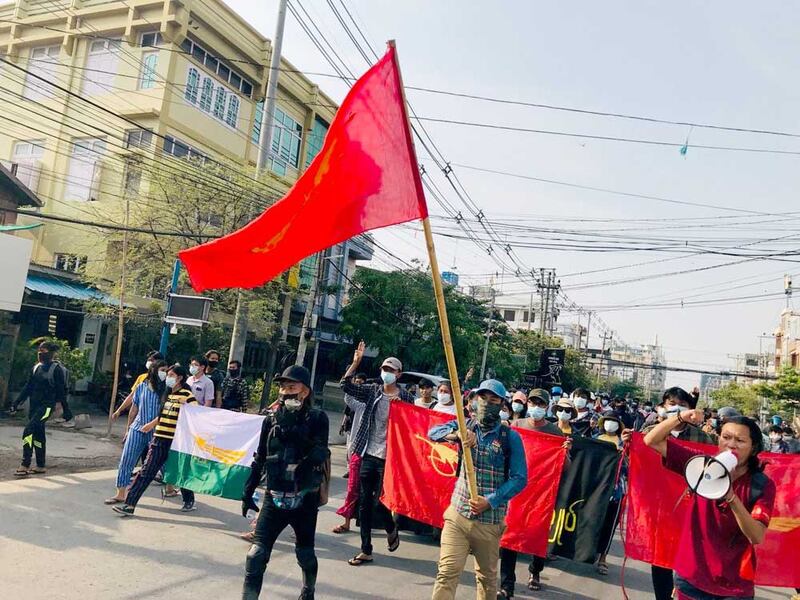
<point>710,476</point>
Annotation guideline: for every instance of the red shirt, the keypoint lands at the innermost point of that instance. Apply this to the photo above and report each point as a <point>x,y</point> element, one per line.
<point>713,553</point>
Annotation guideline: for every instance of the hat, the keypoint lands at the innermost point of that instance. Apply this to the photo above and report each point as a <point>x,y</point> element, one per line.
<point>393,363</point>
<point>565,403</point>
<point>493,386</point>
<point>295,373</point>
<point>539,394</point>
<point>557,391</point>
<point>610,417</point>
<point>726,412</point>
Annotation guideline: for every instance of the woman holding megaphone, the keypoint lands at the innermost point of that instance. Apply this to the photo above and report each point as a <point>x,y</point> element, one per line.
<point>716,556</point>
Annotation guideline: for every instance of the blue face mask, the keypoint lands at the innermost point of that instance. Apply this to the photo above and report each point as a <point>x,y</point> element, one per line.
<point>536,413</point>
<point>517,407</point>
<point>504,416</point>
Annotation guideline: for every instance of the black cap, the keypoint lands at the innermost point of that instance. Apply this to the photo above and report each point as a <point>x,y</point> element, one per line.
<point>295,373</point>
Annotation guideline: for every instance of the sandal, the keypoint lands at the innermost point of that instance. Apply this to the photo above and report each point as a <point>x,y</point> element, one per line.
<point>169,494</point>
<point>534,583</point>
<point>341,529</point>
<point>602,568</point>
<point>248,536</point>
<point>37,471</point>
<point>359,559</point>
<point>394,540</point>
<point>113,500</point>
<point>22,472</point>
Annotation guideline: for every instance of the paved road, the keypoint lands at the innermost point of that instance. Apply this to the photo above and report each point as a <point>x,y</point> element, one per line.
<point>59,542</point>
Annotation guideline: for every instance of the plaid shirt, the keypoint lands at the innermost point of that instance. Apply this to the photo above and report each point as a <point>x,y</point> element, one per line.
<point>690,433</point>
<point>368,394</point>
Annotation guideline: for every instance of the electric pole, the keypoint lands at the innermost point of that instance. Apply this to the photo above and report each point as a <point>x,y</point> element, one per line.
<point>488,335</point>
<point>310,303</point>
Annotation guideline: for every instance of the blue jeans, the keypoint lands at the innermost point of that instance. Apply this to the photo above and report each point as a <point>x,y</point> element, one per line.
<point>687,589</point>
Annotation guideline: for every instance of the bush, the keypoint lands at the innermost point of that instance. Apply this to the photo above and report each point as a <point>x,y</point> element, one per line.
<point>76,361</point>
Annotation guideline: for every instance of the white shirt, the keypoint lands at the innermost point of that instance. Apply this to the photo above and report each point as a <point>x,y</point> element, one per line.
<point>421,402</point>
<point>448,409</point>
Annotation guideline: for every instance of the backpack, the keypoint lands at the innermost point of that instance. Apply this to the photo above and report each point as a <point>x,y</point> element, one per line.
<point>504,443</point>
<point>50,372</point>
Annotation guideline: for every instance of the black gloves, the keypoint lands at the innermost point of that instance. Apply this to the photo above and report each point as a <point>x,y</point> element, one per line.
<point>248,504</point>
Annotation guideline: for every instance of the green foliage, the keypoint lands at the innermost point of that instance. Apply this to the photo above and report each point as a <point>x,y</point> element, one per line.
<point>745,399</point>
<point>76,361</point>
<point>785,389</point>
<point>622,388</point>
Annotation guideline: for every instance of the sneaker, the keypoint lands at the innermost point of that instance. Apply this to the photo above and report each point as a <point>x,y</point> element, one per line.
<point>188,507</point>
<point>125,510</point>
<point>68,424</point>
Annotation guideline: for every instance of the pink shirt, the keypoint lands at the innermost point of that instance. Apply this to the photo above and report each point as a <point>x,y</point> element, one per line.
<point>202,389</point>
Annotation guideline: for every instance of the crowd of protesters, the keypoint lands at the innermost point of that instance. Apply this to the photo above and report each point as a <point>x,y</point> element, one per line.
<point>472,525</point>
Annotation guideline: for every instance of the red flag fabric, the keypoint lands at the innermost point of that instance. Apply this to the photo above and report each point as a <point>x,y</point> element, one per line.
<point>654,508</point>
<point>420,476</point>
<point>364,177</point>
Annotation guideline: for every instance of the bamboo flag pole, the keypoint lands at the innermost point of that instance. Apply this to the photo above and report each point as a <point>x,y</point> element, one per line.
<point>438,291</point>
<point>120,318</point>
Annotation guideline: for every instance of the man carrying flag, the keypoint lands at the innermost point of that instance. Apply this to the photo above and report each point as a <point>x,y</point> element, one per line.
<point>476,525</point>
<point>293,449</point>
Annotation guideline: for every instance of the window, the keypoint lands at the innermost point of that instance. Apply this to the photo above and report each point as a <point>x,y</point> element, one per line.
<point>84,169</point>
<point>509,316</point>
<point>224,72</point>
<point>192,83</point>
<point>286,137</point>
<point>219,102</point>
<point>138,138</point>
<point>247,88</point>
<point>206,94</point>
<point>525,318</point>
<point>199,54</point>
<point>147,80</point>
<point>70,262</point>
<point>180,149</point>
<point>212,63</point>
<point>315,139</point>
<point>42,63</point>
<point>132,179</point>
<point>27,156</point>
<point>215,65</point>
<point>101,66</point>
<point>233,111</point>
<point>186,45</point>
<point>255,134</point>
<point>236,81</point>
<point>151,39</point>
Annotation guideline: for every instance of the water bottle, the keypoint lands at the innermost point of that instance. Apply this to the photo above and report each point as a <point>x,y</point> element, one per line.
<point>251,514</point>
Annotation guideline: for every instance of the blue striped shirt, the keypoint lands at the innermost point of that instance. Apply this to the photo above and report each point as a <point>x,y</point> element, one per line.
<point>148,402</point>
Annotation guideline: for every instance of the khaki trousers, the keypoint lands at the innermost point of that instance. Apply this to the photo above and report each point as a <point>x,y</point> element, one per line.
<point>459,536</point>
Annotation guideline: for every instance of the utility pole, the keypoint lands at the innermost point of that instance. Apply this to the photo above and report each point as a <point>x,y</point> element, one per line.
<point>530,313</point>
<point>540,285</point>
<point>588,326</point>
<point>311,301</point>
<point>488,335</point>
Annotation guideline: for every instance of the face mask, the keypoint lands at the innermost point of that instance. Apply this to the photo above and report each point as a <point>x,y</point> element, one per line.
<point>647,410</point>
<point>43,356</point>
<point>563,415</point>
<point>213,363</point>
<point>487,413</point>
<point>537,413</point>
<point>714,423</point>
<point>786,437</point>
<point>444,398</point>
<point>474,405</point>
<point>162,376</point>
<point>233,372</point>
<point>388,378</point>
<point>194,369</point>
<point>604,402</point>
<point>170,381</point>
<point>148,364</point>
<point>504,416</point>
<point>674,410</point>
<point>580,403</point>
<point>611,426</point>
<point>291,402</point>
<point>517,407</point>
<point>662,412</point>
<point>774,436</point>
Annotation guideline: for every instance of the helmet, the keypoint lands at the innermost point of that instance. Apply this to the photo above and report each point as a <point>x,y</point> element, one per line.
<point>557,391</point>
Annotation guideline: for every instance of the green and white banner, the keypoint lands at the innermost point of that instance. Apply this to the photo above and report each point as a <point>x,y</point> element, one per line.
<point>212,450</point>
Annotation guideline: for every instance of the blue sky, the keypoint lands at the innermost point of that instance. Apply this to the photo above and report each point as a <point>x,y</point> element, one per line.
<point>726,63</point>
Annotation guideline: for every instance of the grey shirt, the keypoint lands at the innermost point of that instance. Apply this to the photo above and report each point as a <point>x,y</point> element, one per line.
<point>527,423</point>
<point>376,446</point>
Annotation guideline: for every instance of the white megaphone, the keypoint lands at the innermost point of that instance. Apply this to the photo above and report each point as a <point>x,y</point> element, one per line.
<point>710,476</point>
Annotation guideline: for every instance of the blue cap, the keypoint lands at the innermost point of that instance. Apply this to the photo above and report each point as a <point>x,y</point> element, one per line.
<point>777,419</point>
<point>557,391</point>
<point>493,386</point>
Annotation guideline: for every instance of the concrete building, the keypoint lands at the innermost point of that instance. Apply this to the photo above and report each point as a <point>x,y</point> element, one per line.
<point>639,364</point>
<point>787,340</point>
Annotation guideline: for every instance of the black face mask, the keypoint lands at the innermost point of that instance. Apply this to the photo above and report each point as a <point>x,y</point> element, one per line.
<point>213,363</point>
<point>44,357</point>
<point>233,372</point>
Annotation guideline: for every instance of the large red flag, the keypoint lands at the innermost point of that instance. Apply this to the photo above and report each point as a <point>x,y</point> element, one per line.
<point>654,508</point>
<point>364,177</point>
<point>420,476</point>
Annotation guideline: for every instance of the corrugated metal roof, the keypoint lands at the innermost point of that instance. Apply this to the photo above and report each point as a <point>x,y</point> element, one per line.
<point>65,289</point>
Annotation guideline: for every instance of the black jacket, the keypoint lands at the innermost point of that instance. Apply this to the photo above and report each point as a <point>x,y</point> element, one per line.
<point>302,441</point>
<point>44,388</point>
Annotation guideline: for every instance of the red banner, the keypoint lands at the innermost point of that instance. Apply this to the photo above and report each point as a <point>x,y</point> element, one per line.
<point>654,509</point>
<point>364,177</point>
<point>420,476</point>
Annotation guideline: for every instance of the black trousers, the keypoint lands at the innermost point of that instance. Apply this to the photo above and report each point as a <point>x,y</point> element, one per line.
<point>508,569</point>
<point>33,436</point>
<point>662,582</point>
<point>371,477</point>
<point>271,522</point>
<point>156,457</point>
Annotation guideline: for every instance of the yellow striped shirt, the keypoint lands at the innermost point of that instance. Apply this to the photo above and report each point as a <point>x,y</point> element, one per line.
<point>168,419</point>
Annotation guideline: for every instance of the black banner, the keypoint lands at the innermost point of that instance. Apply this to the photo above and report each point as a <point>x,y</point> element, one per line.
<point>551,363</point>
<point>582,501</point>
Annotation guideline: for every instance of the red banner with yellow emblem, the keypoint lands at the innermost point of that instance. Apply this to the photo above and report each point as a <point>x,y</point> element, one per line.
<point>420,475</point>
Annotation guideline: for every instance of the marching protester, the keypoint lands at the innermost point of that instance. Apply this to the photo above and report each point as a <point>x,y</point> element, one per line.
<point>46,387</point>
<point>176,394</point>
<point>425,399</point>
<point>292,449</point>
<point>611,427</point>
<point>565,412</point>
<point>791,440</point>
<point>555,395</point>
<point>346,428</point>
<point>519,406</point>
<point>505,411</point>
<point>215,375</point>
<point>715,556</point>
<point>582,423</point>
<point>350,505</point>
<point>776,442</point>
<point>201,385</point>
<point>538,400</point>
<point>234,389</point>
<point>369,443</point>
<point>445,403</point>
<point>145,408</point>
<point>475,525</point>
<point>152,356</point>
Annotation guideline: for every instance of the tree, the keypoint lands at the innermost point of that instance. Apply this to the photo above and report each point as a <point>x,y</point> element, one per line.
<point>623,388</point>
<point>75,360</point>
<point>783,393</point>
<point>531,344</point>
<point>745,399</point>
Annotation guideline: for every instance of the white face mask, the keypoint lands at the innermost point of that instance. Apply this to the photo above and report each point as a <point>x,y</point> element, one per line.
<point>293,403</point>
<point>662,412</point>
<point>611,426</point>
<point>194,369</point>
<point>444,398</point>
<point>171,381</point>
<point>148,364</point>
<point>517,407</point>
<point>537,413</point>
<point>563,415</point>
<point>775,436</point>
<point>162,375</point>
<point>604,402</point>
<point>580,403</point>
<point>388,378</point>
<point>674,410</point>
<point>504,416</point>
<point>786,437</point>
